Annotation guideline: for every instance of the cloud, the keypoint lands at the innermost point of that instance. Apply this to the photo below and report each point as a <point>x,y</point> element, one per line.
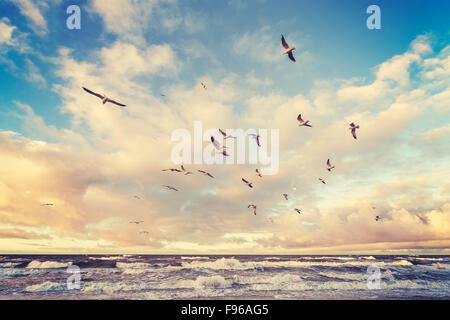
<point>131,20</point>
<point>390,76</point>
<point>33,74</point>
<point>11,38</point>
<point>32,11</point>
<point>92,169</point>
<point>20,234</point>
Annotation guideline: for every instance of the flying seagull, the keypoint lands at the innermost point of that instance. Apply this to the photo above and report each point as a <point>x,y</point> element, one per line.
<point>220,148</point>
<point>47,204</point>
<point>303,122</point>
<point>205,173</point>
<point>104,98</point>
<point>203,85</point>
<point>171,169</point>
<point>170,188</point>
<point>298,211</point>
<point>377,218</point>
<point>225,136</point>
<point>137,197</point>
<point>323,181</point>
<point>285,195</point>
<point>288,50</point>
<point>137,222</point>
<point>247,183</point>
<point>258,173</point>
<point>256,137</point>
<point>329,166</point>
<point>253,207</point>
<point>185,172</point>
<point>353,128</point>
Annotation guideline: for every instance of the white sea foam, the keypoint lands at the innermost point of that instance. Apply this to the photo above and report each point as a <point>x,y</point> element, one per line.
<point>107,258</point>
<point>47,265</point>
<point>8,264</point>
<point>234,264</point>
<point>368,258</point>
<point>194,258</point>
<point>429,259</point>
<point>440,266</point>
<point>402,263</point>
<point>113,287</point>
<point>214,282</point>
<point>133,265</point>
<point>46,287</point>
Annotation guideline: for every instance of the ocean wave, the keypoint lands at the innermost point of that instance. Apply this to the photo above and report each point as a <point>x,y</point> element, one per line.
<point>368,258</point>
<point>14,273</point>
<point>108,258</point>
<point>114,287</point>
<point>428,259</point>
<point>440,266</point>
<point>214,282</point>
<point>9,264</point>
<point>47,265</point>
<point>47,286</point>
<point>234,264</point>
<point>402,263</point>
<point>133,265</point>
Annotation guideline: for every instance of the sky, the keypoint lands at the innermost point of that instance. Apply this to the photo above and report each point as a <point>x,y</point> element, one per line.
<point>60,145</point>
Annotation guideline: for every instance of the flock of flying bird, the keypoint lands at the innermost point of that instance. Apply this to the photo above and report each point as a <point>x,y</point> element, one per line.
<point>222,149</point>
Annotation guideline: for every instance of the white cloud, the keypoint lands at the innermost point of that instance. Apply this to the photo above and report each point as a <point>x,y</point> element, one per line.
<point>32,11</point>
<point>93,169</point>
<point>33,74</point>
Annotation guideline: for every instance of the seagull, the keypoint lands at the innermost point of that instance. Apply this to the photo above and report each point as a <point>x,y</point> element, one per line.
<point>205,173</point>
<point>323,181</point>
<point>258,173</point>
<point>353,128</point>
<point>329,166</point>
<point>225,136</point>
<point>303,122</point>
<point>377,218</point>
<point>285,195</point>
<point>255,136</point>
<point>47,205</point>
<point>298,211</point>
<point>163,95</point>
<point>171,169</point>
<point>137,222</point>
<point>219,147</point>
<point>185,172</point>
<point>203,85</point>
<point>288,50</point>
<point>253,207</point>
<point>247,183</point>
<point>170,188</point>
<point>137,197</point>
<point>104,98</point>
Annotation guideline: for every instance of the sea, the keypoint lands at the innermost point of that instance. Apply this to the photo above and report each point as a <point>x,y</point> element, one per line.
<point>252,277</point>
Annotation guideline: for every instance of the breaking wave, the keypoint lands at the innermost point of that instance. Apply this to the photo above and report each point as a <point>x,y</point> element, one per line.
<point>47,265</point>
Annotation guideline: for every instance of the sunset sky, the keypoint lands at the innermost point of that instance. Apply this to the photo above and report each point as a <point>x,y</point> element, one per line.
<point>60,145</point>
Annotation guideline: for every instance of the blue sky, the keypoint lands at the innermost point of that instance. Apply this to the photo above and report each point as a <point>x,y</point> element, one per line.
<point>344,71</point>
<point>333,31</point>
